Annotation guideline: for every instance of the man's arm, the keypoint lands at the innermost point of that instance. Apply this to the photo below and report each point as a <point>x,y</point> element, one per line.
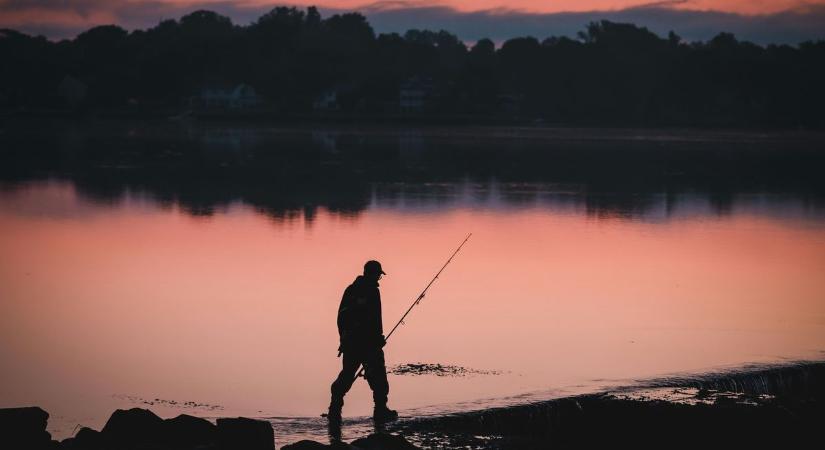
<point>380,316</point>
<point>344,313</point>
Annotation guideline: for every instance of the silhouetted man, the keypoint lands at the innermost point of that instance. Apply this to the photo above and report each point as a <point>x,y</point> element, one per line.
<point>361,335</point>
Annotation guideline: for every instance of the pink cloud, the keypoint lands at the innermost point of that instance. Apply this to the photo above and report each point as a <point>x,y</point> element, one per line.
<point>758,20</point>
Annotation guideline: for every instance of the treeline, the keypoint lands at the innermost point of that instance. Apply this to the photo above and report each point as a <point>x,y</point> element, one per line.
<point>298,62</point>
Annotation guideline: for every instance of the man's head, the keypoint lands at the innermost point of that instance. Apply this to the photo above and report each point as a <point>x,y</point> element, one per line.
<point>372,269</point>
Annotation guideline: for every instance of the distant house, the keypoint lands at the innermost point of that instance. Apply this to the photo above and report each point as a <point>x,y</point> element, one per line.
<point>416,94</point>
<point>326,140</point>
<point>327,101</point>
<point>242,96</point>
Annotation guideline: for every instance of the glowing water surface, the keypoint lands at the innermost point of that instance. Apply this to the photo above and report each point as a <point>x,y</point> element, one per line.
<point>140,303</point>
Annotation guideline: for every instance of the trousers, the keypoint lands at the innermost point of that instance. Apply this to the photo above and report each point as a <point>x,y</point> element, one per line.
<point>375,372</point>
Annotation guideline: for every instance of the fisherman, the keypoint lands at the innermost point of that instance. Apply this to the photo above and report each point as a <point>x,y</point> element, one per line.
<point>362,340</point>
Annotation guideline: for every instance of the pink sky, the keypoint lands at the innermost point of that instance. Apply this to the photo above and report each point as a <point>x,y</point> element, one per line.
<point>751,19</point>
<point>544,6</point>
<point>98,11</point>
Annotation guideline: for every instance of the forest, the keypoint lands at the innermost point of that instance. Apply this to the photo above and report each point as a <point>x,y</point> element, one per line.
<point>294,62</point>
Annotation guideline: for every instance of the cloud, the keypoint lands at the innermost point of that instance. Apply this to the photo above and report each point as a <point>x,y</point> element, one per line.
<point>62,19</point>
<point>66,19</point>
<point>789,27</point>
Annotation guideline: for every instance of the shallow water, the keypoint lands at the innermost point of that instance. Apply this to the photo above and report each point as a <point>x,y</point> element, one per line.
<point>140,299</point>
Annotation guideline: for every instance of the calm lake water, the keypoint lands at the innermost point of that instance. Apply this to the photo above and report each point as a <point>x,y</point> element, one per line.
<point>145,296</point>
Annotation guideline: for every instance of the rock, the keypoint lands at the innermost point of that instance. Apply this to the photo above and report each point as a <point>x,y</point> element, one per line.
<point>185,431</point>
<point>129,428</point>
<point>245,434</point>
<point>378,441</point>
<point>383,441</point>
<point>306,445</point>
<point>342,446</point>
<point>85,439</point>
<point>141,429</point>
<point>24,428</point>
<point>313,445</point>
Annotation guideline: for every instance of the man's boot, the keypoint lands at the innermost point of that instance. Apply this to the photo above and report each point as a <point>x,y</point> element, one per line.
<point>383,414</point>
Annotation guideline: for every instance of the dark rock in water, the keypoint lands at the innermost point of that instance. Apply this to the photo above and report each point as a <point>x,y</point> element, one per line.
<point>85,439</point>
<point>439,370</point>
<point>185,431</point>
<point>245,434</point>
<point>313,445</point>
<point>132,427</point>
<point>383,441</point>
<point>305,445</point>
<point>24,428</point>
<point>141,429</point>
<point>378,441</point>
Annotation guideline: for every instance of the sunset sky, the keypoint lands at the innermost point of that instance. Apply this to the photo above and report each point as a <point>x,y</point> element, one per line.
<point>765,21</point>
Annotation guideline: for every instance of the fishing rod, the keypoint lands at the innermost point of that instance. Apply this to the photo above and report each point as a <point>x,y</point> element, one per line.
<point>419,298</point>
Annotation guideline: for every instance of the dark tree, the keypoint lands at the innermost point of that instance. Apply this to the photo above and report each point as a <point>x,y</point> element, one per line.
<point>611,74</point>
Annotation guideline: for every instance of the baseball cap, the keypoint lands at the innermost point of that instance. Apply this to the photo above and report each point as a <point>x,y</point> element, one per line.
<point>373,266</point>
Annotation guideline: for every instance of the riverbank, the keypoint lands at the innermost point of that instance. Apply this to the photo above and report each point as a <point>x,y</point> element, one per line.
<point>757,407</point>
<point>397,118</point>
<point>111,124</point>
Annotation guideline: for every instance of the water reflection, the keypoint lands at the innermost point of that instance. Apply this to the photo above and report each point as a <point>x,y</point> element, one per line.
<point>71,198</point>
<point>292,172</point>
<point>209,271</point>
<point>165,304</point>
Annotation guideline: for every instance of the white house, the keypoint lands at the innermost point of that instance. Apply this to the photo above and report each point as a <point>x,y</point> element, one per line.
<point>241,96</point>
<point>327,101</point>
<point>415,94</point>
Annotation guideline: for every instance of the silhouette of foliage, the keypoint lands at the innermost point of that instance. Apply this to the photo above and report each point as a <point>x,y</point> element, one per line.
<point>612,73</point>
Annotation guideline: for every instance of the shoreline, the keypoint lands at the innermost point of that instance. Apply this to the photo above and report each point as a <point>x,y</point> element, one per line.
<point>336,136</point>
<point>431,127</point>
<point>757,406</point>
<point>385,118</point>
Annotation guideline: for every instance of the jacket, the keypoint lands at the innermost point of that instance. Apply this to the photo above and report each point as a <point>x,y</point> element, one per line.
<point>359,316</point>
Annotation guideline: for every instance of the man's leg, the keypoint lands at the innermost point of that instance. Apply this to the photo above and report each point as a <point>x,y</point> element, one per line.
<point>342,384</point>
<point>375,371</point>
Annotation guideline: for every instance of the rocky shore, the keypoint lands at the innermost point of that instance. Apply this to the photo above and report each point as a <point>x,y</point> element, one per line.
<point>760,407</point>
<point>140,429</point>
<point>25,428</point>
